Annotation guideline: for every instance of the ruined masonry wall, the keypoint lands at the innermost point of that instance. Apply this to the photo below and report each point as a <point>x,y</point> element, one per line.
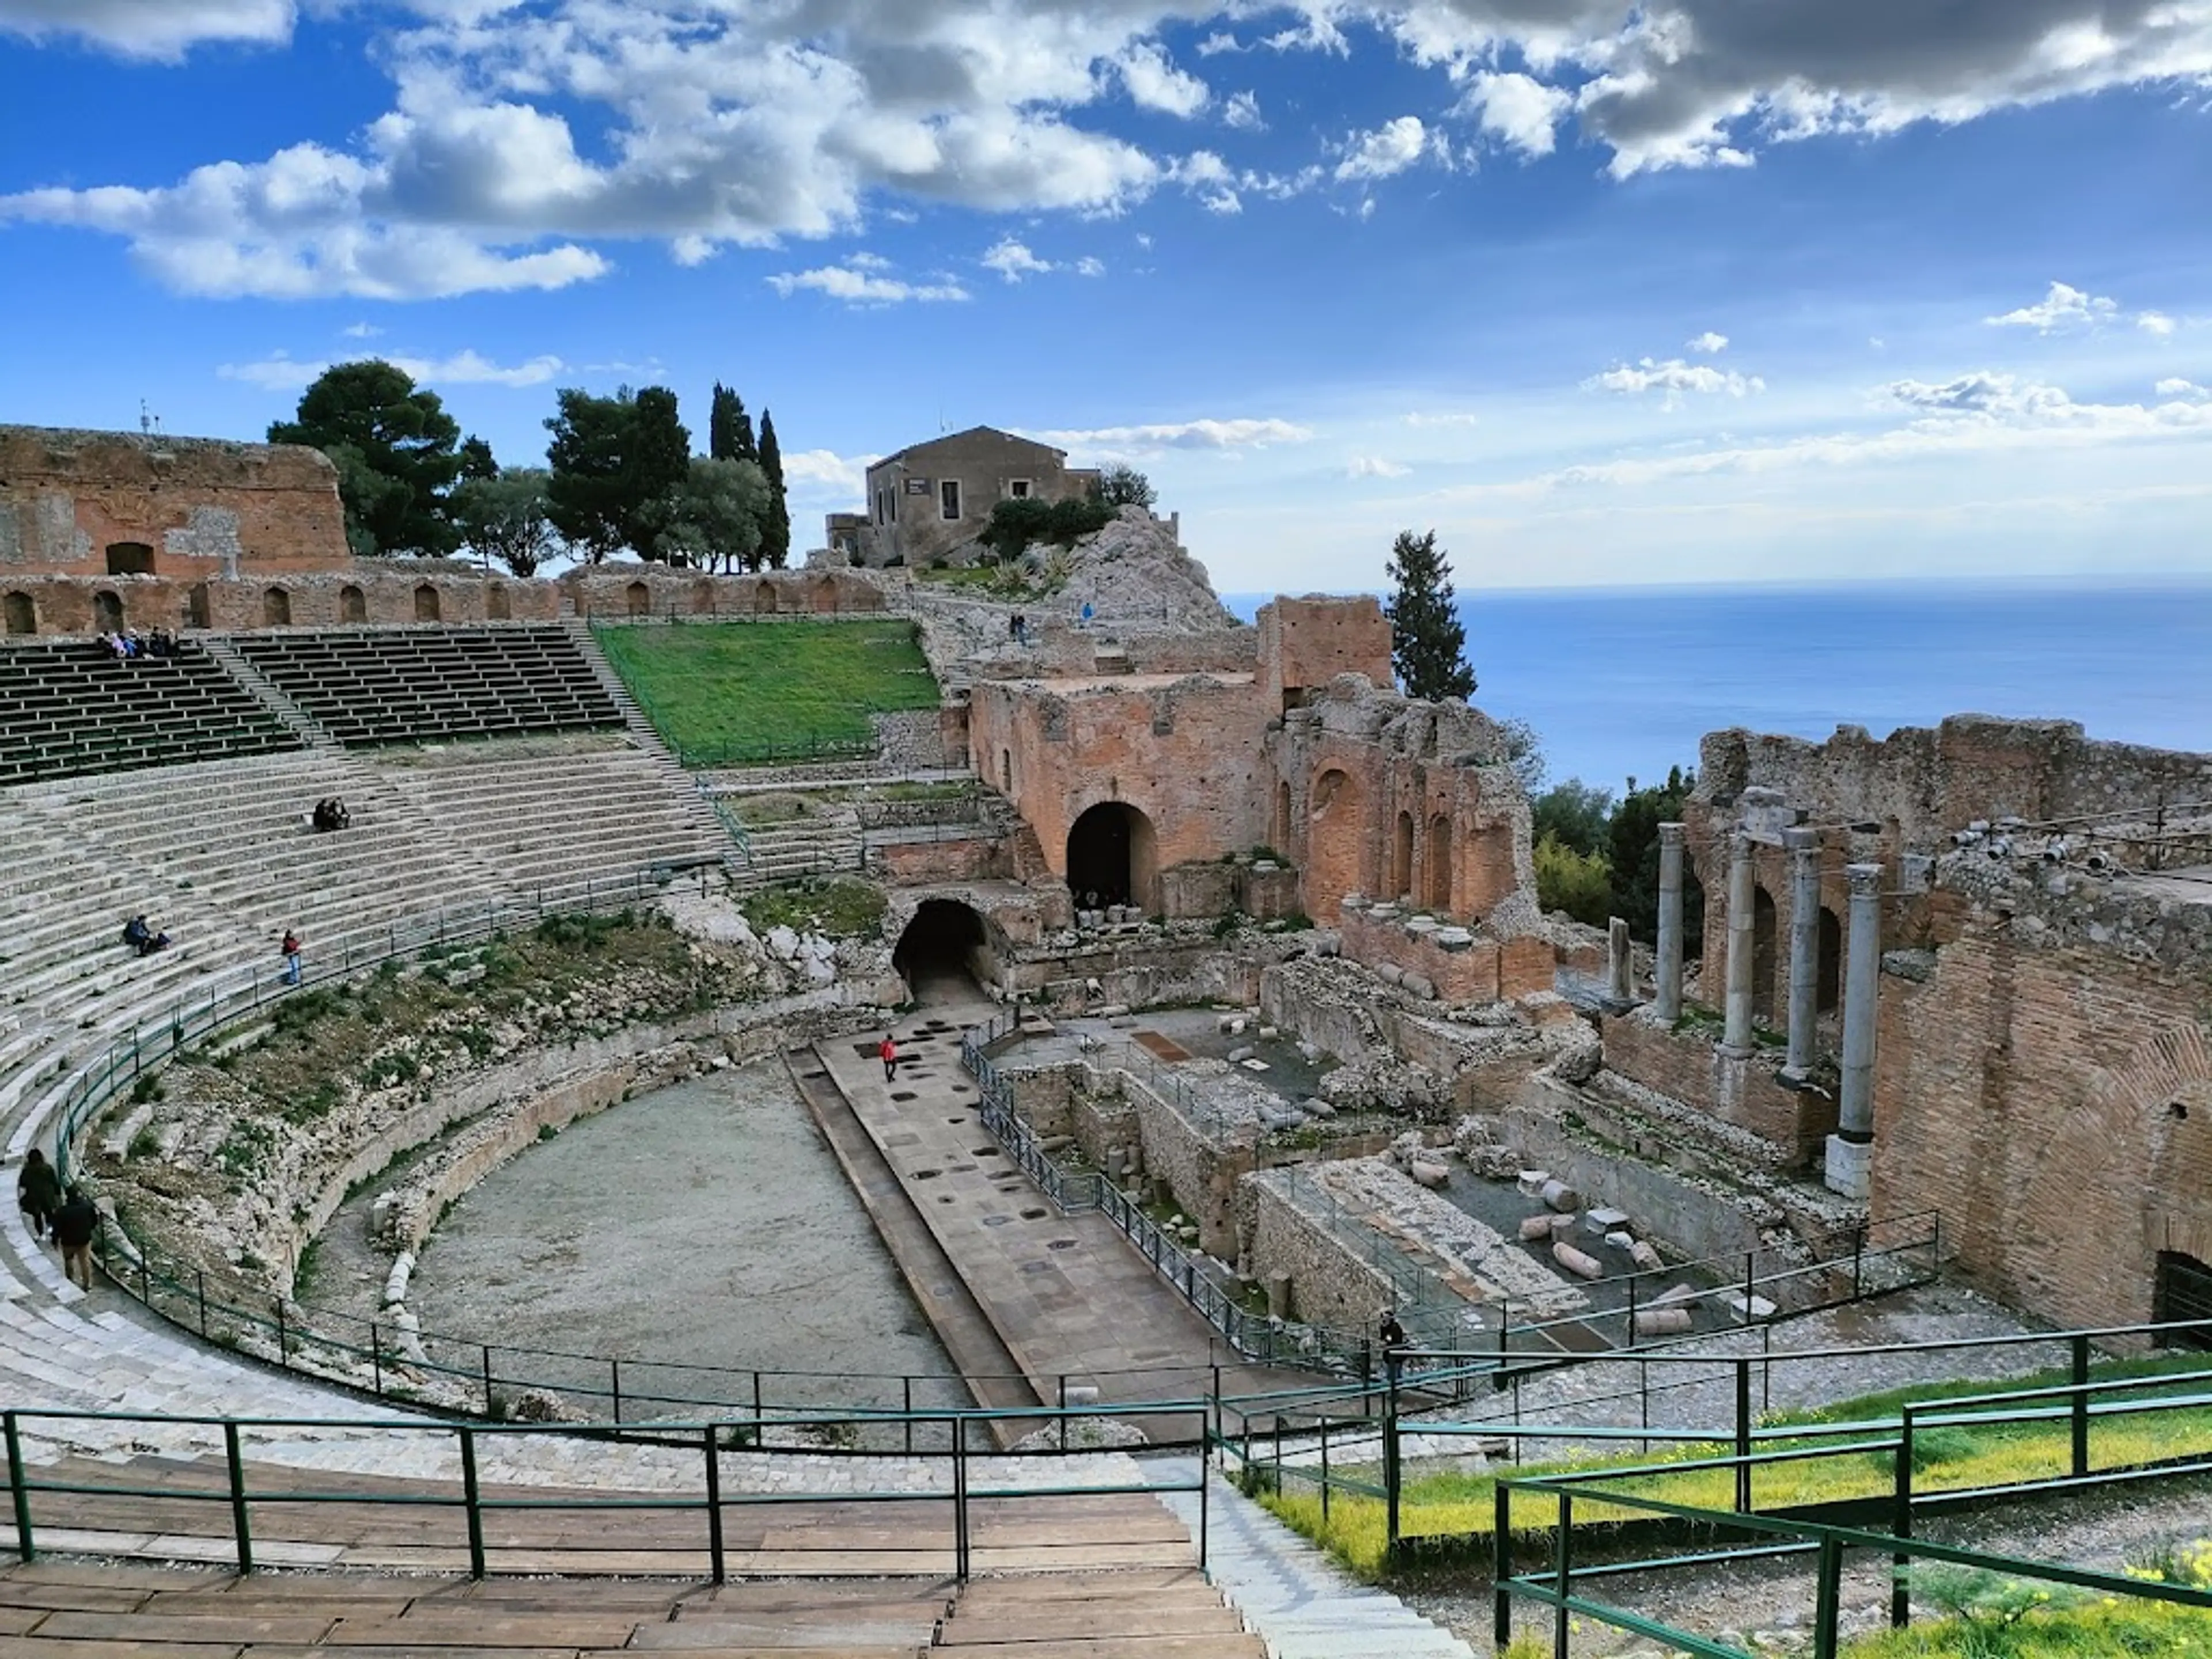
<point>1328,1286</point>
<point>1688,1067</point>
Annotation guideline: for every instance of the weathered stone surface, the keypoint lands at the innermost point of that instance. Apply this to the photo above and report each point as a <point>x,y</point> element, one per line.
<point>1577,1261</point>
<point>1662,1321</point>
<point>1561,1197</point>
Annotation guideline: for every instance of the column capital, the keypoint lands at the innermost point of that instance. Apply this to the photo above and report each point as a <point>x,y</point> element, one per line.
<point>1865,879</point>
<point>1670,835</point>
<point>1740,842</point>
<point>1801,838</point>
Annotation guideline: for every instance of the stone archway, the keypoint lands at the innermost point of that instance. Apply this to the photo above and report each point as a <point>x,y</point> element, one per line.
<point>637,599</point>
<point>107,612</point>
<point>22,614</point>
<point>427,608</point>
<point>944,954</point>
<point>1336,837</point>
<point>498,607</point>
<point>353,604</point>
<point>1440,864</point>
<point>276,608</point>
<point>1113,854</point>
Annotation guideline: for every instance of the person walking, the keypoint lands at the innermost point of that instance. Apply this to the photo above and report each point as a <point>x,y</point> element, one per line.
<point>887,1052</point>
<point>290,947</point>
<point>37,1193</point>
<point>75,1223</point>
<point>1393,1344</point>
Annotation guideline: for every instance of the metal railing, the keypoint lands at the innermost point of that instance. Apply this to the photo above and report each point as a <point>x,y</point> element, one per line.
<point>962,1462</point>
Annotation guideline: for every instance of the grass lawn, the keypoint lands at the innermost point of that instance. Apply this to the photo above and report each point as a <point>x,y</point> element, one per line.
<point>730,693</point>
<point>1945,1457</point>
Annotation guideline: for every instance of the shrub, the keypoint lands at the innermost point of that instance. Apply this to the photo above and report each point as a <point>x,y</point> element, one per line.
<point>1578,882</point>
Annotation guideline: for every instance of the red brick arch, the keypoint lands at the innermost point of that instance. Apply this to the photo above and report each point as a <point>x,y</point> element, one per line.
<point>1337,836</point>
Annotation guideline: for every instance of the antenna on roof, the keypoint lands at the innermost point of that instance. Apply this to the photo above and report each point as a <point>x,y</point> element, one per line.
<point>145,420</point>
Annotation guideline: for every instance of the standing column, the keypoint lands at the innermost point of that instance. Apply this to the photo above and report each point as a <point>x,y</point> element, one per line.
<point>1668,970</point>
<point>1736,1035</point>
<point>1804,847</point>
<point>1849,1149</point>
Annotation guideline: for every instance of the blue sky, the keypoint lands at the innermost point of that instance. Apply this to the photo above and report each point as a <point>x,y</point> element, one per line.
<point>1694,290</point>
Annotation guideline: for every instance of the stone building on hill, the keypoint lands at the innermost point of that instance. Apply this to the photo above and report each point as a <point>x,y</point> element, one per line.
<point>932,500</point>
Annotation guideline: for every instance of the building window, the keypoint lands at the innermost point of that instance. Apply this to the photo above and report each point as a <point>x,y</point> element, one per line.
<point>948,496</point>
<point>1018,488</point>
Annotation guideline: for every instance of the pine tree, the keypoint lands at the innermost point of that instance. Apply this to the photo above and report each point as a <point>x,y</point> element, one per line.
<point>1428,642</point>
<point>775,539</point>
<point>729,429</point>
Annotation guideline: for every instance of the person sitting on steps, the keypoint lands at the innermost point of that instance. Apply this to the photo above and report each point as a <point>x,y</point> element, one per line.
<point>143,936</point>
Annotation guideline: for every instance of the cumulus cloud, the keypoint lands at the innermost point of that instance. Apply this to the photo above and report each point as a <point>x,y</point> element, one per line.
<point>279,373</point>
<point>1673,377</point>
<point>1156,83</point>
<point>1243,112</point>
<point>361,331</point>
<point>823,472</point>
<point>1387,150</point>
<point>1374,466</point>
<point>860,282</point>
<point>1185,434</point>
<point>1708,343</point>
<point>150,28</point>
<point>1012,260</point>
<point>2176,387</point>
<point>2061,309</point>
<point>1517,109</point>
<point>2155,322</point>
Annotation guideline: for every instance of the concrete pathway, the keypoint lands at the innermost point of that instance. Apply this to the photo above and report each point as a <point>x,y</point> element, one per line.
<point>1298,1600</point>
<point>1070,1296</point>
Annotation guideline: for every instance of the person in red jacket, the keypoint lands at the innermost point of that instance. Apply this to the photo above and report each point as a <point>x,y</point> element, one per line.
<point>887,1052</point>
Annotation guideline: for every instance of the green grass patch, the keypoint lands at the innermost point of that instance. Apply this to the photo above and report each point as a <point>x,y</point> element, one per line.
<point>734,693</point>
<point>835,908</point>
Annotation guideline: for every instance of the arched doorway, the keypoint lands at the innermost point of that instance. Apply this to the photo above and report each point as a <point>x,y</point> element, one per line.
<point>1401,858</point>
<point>276,608</point>
<point>1829,974</point>
<point>22,614</point>
<point>638,598</point>
<point>1440,863</point>
<point>426,604</point>
<point>1762,955</point>
<point>353,604</point>
<point>198,606</point>
<point>497,605</point>
<point>944,955</point>
<point>1112,858</point>
<point>1336,834</point>
<point>1280,840</point>
<point>764,598</point>
<point>107,612</point>
<point>130,559</point>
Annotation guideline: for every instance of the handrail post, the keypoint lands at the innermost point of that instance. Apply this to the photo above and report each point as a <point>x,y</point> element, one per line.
<point>1501,1565</point>
<point>715,1553</point>
<point>1827,1605</point>
<point>488,1411</point>
<point>240,1527</point>
<point>1063,1413</point>
<point>906,1396</point>
<point>1743,1435</point>
<point>471,1501</point>
<point>376,1357</point>
<point>202,1272</point>
<point>2080,1405</point>
<point>960,1497</point>
<point>1564,1571</point>
<point>284,1355</point>
<point>1393,1473</point>
<point>1901,1523</point>
<point>1324,1471</point>
<point>18,1487</point>
<point>614,1375</point>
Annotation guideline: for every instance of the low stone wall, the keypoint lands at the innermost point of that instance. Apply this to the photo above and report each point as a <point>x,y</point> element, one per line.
<point>1440,959</point>
<point>1202,1172</point>
<point>923,863</point>
<point>1141,969</point>
<point>1745,1090</point>
<point>370,591</point>
<point>1329,1286</point>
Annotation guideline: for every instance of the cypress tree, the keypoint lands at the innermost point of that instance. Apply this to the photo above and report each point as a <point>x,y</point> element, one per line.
<point>1428,642</point>
<point>775,534</point>
<point>729,429</point>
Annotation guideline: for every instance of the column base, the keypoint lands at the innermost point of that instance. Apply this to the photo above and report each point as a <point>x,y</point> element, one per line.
<point>1849,1165</point>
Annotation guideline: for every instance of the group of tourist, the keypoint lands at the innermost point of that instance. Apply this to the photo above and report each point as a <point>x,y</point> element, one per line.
<point>331,813</point>
<point>67,1218</point>
<point>126,646</point>
<point>143,936</point>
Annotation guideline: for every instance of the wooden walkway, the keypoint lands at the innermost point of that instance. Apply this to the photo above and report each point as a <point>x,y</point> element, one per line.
<point>72,1610</point>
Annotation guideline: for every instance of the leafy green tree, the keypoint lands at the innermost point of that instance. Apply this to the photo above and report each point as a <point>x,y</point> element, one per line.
<point>612,460</point>
<point>775,538</point>
<point>1019,523</point>
<point>1576,815</point>
<point>1524,753</point>
<point>396,449</point>
<point>1121,485</point>
<point>729,429</point>
<point>1632,838</point>
<point>1572,880</point>
<point>508,516</point>
<point>717,513</point>
<point>1428,642</point>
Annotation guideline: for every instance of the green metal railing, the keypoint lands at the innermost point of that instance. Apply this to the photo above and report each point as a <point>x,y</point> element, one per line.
<point>711,1500</point>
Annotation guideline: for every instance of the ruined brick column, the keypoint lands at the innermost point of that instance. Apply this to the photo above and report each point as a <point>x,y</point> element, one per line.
<point>1735,1037</point>
<point>1667,970</point>
<point>1804,847</point>
<point>1851,1148</point>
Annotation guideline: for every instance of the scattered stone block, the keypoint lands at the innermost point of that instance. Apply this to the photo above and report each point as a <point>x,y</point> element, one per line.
<point>1561,1197</point>
<point>1224,1024</point>
<point>1677,1293</point>
<point>1533,1182</point>
<point>1608,1220</point>
<point>1242,1051</point>
<point>1534,1228</point>
<point>1563,1226</point>
<point>1430,1173</point>
<point>1619,1240</point>
<point>1267,1034</point>
<point>1421,985</point>
<point>1391,973</point>
<point>1454,938</point>
<point>1760,1307</point>
<point>1662,1321</point>
<point>1253,1063</point>
<point>1576,1261</point>
<point>1645,1255</point>
<point>1317,1108</point>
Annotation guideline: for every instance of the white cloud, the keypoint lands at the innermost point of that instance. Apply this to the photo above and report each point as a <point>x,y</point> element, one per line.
<point>1012,260</point>
<point>860,282</point>
<point>1446,417</point>
<point>279,372</point>
<point>1673,377</point>
<point>1710,344</point>
<point>1089,265</point>
<point>2155,322</point>
<point>1242,112</point>
<point>2177,387</point>
<point>1185,434</point>
<point>2059,310</point>
<point>823,472</point>
<point>1156,83</point>
<point>1389,149</point>
<point>361,331</point>
<point>1217,42</point>
<point>1517,109</point>
<point>150,28</point>
<point>1374,466</point>
<point>1210,179</point>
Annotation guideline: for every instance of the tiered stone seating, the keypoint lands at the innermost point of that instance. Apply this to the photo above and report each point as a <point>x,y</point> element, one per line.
<point>407,685</point>
<point>559,817</point>
<point>69,707</point>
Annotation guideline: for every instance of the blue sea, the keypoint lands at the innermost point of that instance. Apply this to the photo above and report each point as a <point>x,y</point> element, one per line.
<point>1622,683</point>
